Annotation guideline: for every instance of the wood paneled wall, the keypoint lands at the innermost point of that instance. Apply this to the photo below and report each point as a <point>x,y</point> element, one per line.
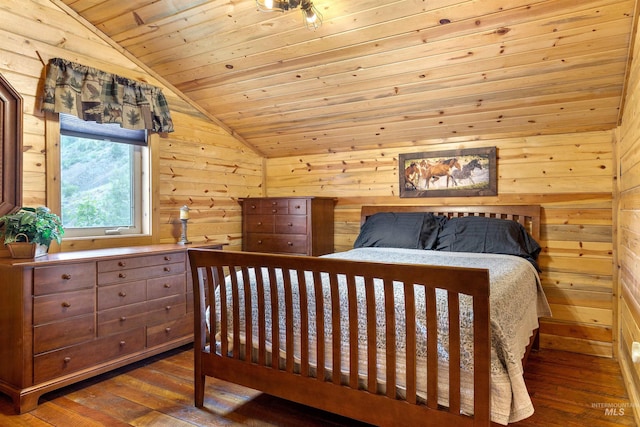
<point>200,165</point>
<point>627,226</point>
<point>203,166</point>
<point>208,173</point>
<point>569,175</point>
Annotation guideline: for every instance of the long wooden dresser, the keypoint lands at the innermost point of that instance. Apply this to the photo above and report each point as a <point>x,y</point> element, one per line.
<point>290,225</point>
<point>69,316</point>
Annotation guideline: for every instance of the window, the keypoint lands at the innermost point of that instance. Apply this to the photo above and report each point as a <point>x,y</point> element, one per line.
<point>102,167</point>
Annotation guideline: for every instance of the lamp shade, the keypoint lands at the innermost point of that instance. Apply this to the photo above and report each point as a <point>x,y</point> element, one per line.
<point>312,17</point>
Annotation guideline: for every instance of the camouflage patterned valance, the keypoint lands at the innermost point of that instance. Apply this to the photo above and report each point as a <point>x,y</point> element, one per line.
<point>95,95</point>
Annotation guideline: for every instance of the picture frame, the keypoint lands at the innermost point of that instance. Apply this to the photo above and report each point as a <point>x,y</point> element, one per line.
<point>451,173</point>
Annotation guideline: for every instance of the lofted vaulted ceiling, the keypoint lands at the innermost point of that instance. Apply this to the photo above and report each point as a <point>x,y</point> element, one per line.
<point>382,73</point>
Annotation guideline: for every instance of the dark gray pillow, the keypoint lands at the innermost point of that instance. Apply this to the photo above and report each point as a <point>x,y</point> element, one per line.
<point>431,230</point>
<point>487,235</point>
<point>411,230</point>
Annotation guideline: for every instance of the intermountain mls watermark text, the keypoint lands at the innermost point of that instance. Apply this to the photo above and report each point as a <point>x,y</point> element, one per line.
<point>614,409</point>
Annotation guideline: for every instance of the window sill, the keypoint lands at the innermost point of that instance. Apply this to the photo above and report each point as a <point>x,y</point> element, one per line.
<point>102,242</point>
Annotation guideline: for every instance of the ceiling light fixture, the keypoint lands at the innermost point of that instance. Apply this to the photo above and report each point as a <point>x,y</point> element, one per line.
<point>311,16</point>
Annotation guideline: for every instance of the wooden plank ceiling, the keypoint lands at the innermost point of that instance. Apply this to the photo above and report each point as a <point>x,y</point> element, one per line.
<point>383,73</point>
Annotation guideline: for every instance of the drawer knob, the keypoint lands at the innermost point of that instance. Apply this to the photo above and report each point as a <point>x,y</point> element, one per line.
<point>122,264</point>
<point>167,285</point>
<point>274,210</point>
<point>290,224</point>
<point>168,308</point>
<point>253,206</point>
<point>66,304</point>
<point>290,243</point>
<point>122,293</point>
<point>259,222</point>
<point>122,275</point>
<point>167,330</point>
<point>259,242</point>
<point>122,343</point>
<point>123,318</point>
<point>297,206</point>
<point>167,269</point>
<point>66,360</point>
<point>66,276</point>
<point>167,258</point>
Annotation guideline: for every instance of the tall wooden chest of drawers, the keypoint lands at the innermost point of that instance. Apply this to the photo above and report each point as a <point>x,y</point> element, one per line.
<point>69,316</point>
<point>290,225</point>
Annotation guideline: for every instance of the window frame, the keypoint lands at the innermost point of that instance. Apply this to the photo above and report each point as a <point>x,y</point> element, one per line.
<point>150,193</point>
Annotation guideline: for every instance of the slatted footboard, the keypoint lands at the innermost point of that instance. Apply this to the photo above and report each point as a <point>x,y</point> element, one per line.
<point>301,360</point>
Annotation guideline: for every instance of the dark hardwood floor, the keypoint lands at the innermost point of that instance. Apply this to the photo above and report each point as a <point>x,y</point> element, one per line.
<point>567,390</point>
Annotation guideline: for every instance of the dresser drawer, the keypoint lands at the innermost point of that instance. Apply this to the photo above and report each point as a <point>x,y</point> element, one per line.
<point>265,206</point>
<point>47,280</point>
<point>63,334</point>
<point>170,331</point>
<point>168,313</point>
<point>56,307</point>
<point>142,261</point>
<point>122,319</point>
<point>259,223</point>
<point>297,207</point>
<point>293,244</point>
<point>119,295</point>
<point>291,224</point>
<point>71,359</point>
<point>164,309</point>
<point>165,286</point>
<point>111,277</point>
<point>253,207</point>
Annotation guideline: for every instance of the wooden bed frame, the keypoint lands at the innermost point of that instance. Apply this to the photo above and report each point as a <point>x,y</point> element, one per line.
<point>299,380</point>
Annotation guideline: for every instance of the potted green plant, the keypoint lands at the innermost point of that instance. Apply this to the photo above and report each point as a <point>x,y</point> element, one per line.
<point>29,231</point>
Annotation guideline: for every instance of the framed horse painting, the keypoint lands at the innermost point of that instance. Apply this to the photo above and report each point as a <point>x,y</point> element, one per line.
<point>452,173</point>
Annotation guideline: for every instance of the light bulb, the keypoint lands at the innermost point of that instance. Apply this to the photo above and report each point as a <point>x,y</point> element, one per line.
<point>311,16</point>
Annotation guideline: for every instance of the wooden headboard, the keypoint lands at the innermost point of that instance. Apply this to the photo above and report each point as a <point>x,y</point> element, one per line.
<point>527,215</point>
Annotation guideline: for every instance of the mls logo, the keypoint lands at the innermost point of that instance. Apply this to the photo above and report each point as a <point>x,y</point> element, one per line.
<point>614,411</point>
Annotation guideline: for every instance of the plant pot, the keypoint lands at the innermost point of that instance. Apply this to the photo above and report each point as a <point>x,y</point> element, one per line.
<point>27,249</point>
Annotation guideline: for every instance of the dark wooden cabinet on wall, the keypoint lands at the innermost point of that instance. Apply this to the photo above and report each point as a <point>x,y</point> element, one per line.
<point>66,317</point>
<point>291,225</point>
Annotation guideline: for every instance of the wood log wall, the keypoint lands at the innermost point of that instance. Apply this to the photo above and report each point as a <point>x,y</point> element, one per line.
<point>200,165</point>
<point>627,227</point>
<point>569,175</point>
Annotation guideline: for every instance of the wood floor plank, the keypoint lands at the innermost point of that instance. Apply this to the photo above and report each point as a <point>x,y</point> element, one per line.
<point>84,412</point>
<point>26,420</point>
<point>7,417</point>
<point>551,411</point>
<point>57,415</point>
<point>567,390</point>
<point>577,391</point>
<point>158,419</point>
<point>177,387</point>
<point>145,394</point>
<point>176,368</point>
<point>98,398</point>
